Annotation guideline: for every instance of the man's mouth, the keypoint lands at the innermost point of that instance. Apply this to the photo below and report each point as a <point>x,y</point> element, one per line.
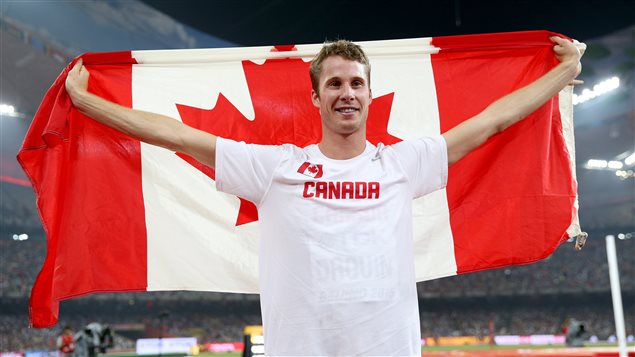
<point>346,110</point>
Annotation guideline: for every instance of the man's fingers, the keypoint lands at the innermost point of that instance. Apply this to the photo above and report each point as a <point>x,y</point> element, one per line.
<point>78,66</point>
<point>576,82</point>
<point>559,41</point>
<point>556,39</point>
<point>77,79</point>
<point>559,46</point>
<point>563,42</point>
<point>581,46</point>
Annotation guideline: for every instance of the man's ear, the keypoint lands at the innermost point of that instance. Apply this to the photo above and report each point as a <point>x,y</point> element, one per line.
<point>370,96</point>
<point>315,98</point>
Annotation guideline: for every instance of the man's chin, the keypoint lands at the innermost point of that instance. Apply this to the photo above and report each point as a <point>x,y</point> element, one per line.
<point>349,129</point>
<point>345,127</point>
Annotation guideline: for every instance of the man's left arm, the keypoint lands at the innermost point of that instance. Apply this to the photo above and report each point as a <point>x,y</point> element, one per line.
<point>515,106</point>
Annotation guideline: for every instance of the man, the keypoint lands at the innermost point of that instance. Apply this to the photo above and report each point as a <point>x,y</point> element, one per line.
<point>336,256</point>
<point>66,342</point>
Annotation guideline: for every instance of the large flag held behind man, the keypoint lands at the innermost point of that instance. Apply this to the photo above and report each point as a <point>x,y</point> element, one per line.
<point>121,215</point>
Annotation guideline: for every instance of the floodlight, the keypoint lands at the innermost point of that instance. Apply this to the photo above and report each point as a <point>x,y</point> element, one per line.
<point>598,89</point>
<point>614,164</point>
<point>596,164</point>
<point>6,109</point>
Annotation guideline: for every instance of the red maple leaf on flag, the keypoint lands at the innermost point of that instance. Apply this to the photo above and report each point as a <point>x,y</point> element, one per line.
<point>280,91</point>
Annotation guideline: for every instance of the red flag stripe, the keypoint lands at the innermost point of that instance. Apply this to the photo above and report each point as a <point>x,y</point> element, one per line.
<point>108,251</point>
<point>503,189</point>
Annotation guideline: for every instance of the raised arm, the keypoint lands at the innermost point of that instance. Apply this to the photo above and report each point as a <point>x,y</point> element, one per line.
<point>515,106</point>
<point>151,128</point>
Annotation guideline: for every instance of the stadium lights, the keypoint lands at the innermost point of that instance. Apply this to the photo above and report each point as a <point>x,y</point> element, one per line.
<point>596,164</point>
<point>615,165</point>
<point>604,164</point>
<point>7,109</point>
<point>621,164</point>
<point>22,236</point>
<point>598,89</point>
<point>624,174</point>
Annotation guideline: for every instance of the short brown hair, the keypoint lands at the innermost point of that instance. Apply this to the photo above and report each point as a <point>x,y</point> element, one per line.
<point>343,48</point>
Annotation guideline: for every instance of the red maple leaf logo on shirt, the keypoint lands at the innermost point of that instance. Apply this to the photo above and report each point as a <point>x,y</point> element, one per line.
<point>280,91</point>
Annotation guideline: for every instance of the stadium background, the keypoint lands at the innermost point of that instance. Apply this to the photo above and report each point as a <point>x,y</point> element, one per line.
<point>38,38</point>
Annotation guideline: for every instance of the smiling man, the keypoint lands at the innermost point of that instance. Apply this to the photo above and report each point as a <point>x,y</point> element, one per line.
<point>341,90</point>
<point>336,254</point>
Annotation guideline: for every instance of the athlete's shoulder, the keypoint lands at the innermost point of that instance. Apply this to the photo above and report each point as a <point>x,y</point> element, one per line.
<point>436,139</point>
<point>415,148</point>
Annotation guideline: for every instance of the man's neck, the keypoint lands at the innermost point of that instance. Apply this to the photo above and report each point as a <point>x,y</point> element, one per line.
<point>340,147</point>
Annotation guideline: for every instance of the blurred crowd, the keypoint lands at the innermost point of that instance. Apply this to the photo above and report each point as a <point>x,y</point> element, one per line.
<point>527,320</point>
<point>217,317</point>
<point>544,318</point>
<point>16,336</point>
<point>566,271</point>
<point>17,205</point>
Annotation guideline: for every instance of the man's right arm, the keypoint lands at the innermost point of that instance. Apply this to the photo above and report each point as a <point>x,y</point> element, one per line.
<point>151,128</point>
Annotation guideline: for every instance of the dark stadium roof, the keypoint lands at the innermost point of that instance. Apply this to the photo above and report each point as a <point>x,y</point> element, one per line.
<point>255,22</point>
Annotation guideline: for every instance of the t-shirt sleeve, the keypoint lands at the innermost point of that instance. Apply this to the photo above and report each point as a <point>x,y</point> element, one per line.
<point>246,170</point>
<point>425,162</point>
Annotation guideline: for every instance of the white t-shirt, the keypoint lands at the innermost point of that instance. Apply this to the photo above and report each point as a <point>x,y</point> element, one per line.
<point>336,255</point>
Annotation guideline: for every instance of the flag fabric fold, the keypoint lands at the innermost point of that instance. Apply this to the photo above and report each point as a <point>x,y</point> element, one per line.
<point>121,215</point>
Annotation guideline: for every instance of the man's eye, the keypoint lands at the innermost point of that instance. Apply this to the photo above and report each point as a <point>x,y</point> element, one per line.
<point>334,84</point>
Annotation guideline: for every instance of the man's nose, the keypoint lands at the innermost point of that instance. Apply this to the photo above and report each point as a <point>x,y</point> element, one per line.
<point>347,93</point>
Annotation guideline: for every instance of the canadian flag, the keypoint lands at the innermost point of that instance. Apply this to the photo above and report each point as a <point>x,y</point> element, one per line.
<point>121,215</point>
<point>311,170</point>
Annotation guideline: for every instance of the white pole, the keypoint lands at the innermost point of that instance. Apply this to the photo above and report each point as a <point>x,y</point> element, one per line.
<point>618,310</point>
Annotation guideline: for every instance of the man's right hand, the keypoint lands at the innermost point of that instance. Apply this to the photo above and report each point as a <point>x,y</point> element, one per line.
<point>77,81</point>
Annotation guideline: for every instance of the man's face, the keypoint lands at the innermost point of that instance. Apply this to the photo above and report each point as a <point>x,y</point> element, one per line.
<point>344,96</point>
